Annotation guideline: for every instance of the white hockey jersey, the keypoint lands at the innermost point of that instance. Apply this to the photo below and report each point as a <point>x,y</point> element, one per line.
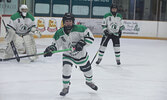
<point>112,24</point>
<point>64,41</point>
<point>21,25</point>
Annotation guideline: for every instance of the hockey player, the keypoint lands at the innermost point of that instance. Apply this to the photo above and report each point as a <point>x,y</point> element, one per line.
<point>20,30</point>
<point>78,37</point>
<point>112,29</point>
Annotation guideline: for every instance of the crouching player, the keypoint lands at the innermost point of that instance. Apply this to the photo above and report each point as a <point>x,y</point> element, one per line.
<point>20,30</point>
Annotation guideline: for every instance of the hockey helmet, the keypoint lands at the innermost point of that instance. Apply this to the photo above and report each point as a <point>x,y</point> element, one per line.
<point>23,10</point>
<point>68,16</point>
<point>113,6</point>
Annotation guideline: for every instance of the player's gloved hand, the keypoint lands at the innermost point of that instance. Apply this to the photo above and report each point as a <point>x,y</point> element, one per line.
<point>49,49</point>
<point>106,32</point>
<point>79,46</point>
<point>120,33</point>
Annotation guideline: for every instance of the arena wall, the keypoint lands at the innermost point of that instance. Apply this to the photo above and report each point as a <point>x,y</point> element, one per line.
<point>133,28</point>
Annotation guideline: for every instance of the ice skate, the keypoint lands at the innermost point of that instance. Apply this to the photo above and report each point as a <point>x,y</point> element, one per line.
<point>98,61</point>
<point>92,85</point>
<point>64,91</point>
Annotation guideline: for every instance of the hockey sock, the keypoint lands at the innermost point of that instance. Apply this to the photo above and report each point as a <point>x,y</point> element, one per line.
<point>88,76</point>
<point>117,53</point>
<point>101,51</point>
<point>66,83</point>
<point>67,69</point>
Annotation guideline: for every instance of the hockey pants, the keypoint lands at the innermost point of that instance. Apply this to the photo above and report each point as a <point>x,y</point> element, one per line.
<point>104,43</point>
<point>84,65</point>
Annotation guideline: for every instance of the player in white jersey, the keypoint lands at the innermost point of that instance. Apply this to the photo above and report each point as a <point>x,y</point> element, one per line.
<point>112,29</point>
<point>73,36</point>
<point>20,30</point>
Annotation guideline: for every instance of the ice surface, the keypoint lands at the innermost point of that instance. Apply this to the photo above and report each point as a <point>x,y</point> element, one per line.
<point>142,75</point>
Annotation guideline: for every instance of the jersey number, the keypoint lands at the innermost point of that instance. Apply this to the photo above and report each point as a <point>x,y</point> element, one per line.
<point>88,34</point>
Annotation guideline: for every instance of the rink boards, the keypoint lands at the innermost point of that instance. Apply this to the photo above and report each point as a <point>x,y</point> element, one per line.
<point>133,28</point>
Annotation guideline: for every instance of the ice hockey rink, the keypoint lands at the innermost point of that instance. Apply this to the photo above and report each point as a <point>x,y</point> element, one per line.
<point>142,75</point>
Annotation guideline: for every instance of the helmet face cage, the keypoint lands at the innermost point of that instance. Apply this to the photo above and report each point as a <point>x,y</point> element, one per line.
<point>23,8</point>
<point>68,16</point>
<point>113,6</point>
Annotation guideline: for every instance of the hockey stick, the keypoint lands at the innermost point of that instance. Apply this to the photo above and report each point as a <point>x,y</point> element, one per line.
<point>7,59</point>
<point>12,45</point>
<point>94,57</point>
<point>98,51</point>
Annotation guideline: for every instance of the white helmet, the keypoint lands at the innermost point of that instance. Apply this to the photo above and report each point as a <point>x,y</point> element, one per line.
<point>23,9</point>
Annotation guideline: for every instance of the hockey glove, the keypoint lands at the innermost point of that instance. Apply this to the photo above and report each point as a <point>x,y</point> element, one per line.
<point>79,46</point>
<point>106,32</point>
<point>49,49</point>
<point>120,33</point>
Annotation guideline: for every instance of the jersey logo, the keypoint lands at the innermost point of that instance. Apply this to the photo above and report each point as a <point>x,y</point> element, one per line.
<point>23,29</point>
<point>114,26</point>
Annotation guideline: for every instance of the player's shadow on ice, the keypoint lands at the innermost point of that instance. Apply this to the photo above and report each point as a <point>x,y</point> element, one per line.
<point>115,68</point>
<point>121,66</point>
<point>80,96</point>
<point>106,66</point>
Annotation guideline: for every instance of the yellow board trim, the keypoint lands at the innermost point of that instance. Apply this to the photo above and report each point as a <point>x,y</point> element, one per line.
<point>44,36</point>
<point>100,36</point>
<point>140,37</point>
<point>136,37</point>
<point>1,39</point>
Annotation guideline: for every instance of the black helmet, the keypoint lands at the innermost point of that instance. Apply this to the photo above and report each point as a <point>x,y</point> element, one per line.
<point>68,16</point>
<point>113,6</point>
